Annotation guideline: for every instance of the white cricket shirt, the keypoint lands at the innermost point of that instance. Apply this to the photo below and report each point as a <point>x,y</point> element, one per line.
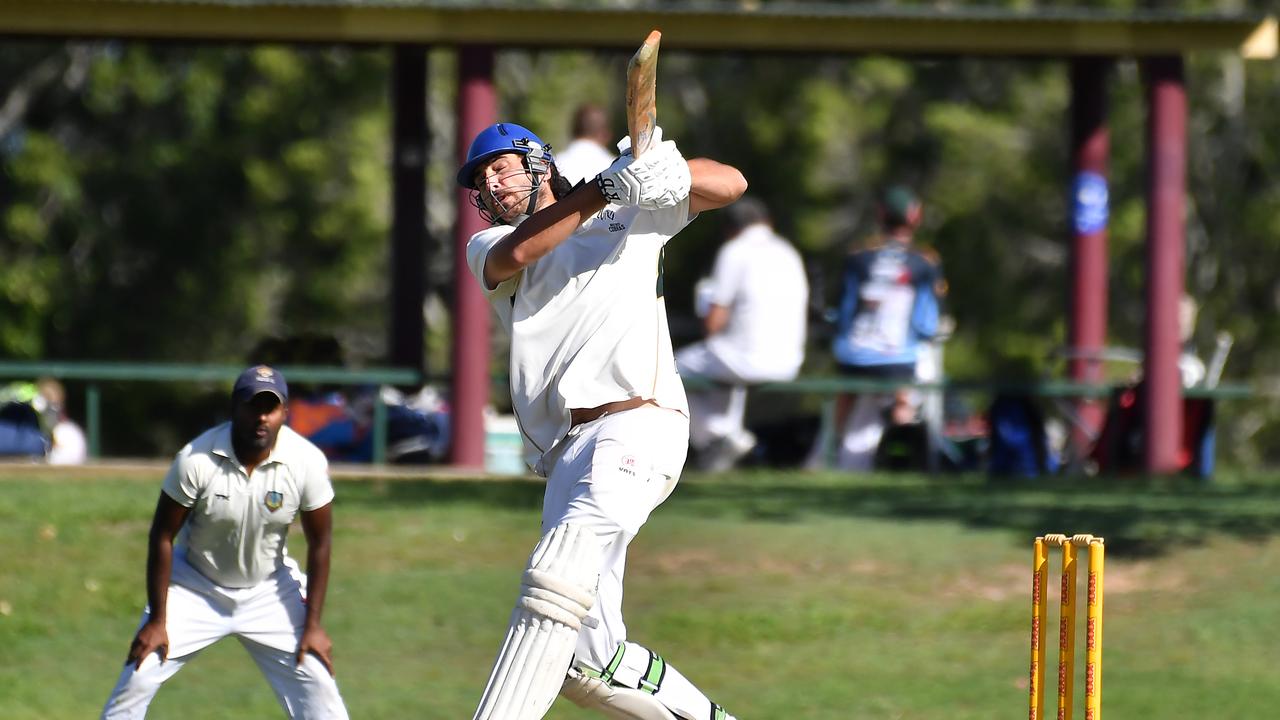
<point>587,321</point>
<point>235,534</point>
<point>760,278</point>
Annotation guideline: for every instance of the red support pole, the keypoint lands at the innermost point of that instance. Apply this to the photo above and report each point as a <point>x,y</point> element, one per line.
<point>1090,152</point>
<point>1166,232</point>
<point>477,109</point>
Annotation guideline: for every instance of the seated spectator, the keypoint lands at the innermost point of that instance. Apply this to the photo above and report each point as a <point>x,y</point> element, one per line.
<point>67,443</point>
<point>20,432</point>
<point>755,310</point>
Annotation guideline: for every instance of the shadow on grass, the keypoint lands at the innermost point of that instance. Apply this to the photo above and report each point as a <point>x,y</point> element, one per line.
<point>1136,517</point>
<point>515,493</point>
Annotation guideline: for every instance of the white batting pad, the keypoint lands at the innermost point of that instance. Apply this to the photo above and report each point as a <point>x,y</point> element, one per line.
<point>557,593</point>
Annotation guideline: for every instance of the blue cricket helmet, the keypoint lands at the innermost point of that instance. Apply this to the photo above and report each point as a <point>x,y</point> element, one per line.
<point>502,138</point>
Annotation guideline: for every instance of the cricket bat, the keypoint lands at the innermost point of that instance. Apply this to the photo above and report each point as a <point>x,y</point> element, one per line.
<point>642,110</point>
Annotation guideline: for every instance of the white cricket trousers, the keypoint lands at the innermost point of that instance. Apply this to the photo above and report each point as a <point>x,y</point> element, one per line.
<point>267,619</point>
<point>715,413</point>
<point>608,475</point>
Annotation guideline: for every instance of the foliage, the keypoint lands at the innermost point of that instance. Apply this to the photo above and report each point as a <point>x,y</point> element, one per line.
<point>211,195</point>
<point>180,203</point>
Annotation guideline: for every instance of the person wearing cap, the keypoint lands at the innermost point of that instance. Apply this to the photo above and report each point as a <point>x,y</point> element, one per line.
<point>888,312</point>
<point>217,562</point>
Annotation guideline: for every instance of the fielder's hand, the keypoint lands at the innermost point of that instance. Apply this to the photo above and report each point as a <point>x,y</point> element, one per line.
<point>151,638</point>
<point>316,641</point>
<point>658,179</point>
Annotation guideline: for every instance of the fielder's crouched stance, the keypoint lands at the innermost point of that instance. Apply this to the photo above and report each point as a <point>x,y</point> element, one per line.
<point>575,277</point>
<point>232,493</point>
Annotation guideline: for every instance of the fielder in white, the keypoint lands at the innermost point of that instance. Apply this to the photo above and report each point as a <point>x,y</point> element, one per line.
<point>229,499</point>
<point>575,276</point>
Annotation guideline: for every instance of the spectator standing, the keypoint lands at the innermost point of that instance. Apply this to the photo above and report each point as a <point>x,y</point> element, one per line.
<point>588,153</point>
<point>888,312</point>
<point>756,302</point>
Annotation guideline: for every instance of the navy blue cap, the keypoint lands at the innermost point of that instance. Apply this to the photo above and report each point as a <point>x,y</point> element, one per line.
<point>260,379</point>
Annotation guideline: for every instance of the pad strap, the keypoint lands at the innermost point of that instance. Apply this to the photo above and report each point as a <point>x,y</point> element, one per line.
<point>643,676</point>
<point>619,703</point>
<point>637,684</point>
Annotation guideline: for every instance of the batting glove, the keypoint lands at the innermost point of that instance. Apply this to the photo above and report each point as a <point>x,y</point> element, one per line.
<point>658,179</point>
<point>672,179</point>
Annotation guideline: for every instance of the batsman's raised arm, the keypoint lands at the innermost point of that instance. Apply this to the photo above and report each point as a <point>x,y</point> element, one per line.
<point>713,185</point>
<point>515,183</point>
<point>540,234</point>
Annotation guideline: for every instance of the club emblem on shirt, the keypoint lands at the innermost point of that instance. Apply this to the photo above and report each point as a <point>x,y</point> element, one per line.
<point>273,500</point>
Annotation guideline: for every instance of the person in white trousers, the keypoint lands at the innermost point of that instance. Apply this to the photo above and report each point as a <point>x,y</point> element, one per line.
<point>229,499</point>
<point>575,276</point>
<point>756,307</point>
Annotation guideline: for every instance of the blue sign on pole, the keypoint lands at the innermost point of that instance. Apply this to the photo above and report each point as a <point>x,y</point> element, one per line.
<point>1089,203</point>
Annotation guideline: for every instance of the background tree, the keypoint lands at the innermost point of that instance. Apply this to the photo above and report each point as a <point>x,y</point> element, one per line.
<point>174,203</point>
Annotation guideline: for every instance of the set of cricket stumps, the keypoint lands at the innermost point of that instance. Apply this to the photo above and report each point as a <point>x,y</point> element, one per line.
<point>1071,546</point>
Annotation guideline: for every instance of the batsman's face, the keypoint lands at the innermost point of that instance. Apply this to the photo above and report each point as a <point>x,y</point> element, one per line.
<point>504,185</point>
<point>256,422</point>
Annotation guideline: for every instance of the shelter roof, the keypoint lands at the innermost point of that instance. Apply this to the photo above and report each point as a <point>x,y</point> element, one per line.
<point>728,25</point>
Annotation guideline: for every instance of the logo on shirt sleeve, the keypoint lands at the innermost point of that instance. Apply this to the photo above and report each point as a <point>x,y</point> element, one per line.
<point>611,216</point>
<point>273,500</point>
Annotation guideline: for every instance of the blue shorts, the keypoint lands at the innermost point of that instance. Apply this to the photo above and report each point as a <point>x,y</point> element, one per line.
<point>896,371</point>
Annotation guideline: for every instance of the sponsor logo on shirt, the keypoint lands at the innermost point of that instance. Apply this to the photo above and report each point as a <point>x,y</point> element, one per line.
<point>628,465</point>
<point>273,500</point>
<point>610,216</point>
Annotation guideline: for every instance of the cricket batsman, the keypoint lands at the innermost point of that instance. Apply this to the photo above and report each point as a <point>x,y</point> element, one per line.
<point>575,276</point>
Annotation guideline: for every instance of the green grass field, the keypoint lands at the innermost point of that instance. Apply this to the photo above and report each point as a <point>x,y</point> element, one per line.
<point>783,595</point>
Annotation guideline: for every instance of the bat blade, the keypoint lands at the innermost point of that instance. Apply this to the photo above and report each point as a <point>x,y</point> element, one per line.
<point>642,110</point>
